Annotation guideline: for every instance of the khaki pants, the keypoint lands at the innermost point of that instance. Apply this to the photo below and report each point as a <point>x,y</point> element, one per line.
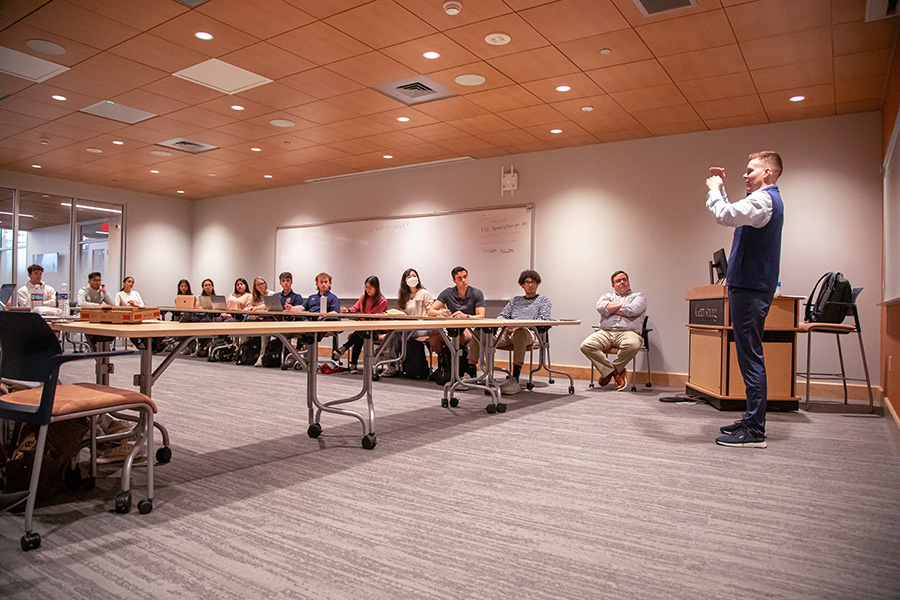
<point>519,339</point>
<point>596,345</point>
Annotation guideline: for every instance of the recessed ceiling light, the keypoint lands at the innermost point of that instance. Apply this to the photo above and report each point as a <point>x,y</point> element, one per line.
<point>179,191</point>
<point>160,153</point>
<point>45,47</point>
<point>470,79</point>
<point>556,131</point>
<point>118,143</point>
<point>431,55</point>
<point>563,88</point>
<point>59,97</point>
<point>154,171</point>
<point>388,156</point>
<point>282,123</point>
<point>45,141</point>
<point>452,7</point>
<point>35,166</point>
<point>237,107</point>
<point>95,150</point>
<point>403,119</point>
<point>267,176</point>
<point>202,35</point>
<point>797,98</point>
<point>497,39</point>
<point>212,174</point>
<point>256,149</point>
<point>587,108</point>
<point>605,51</point>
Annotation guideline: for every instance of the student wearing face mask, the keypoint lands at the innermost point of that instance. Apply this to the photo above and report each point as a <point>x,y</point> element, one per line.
<point>414,300</point>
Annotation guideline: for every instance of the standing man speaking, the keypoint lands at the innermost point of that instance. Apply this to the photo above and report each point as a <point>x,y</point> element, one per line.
<point>752,278</point>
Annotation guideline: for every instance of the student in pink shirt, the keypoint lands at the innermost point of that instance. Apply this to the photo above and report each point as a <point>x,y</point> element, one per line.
<point>372,302</point>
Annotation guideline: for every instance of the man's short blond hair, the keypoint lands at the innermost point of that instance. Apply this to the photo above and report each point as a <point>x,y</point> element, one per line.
<point>323,275</point>
<point>773,159</point>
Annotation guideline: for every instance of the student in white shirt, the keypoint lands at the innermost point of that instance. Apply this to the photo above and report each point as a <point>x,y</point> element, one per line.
<point>34,288</point>
<point>129,296</point>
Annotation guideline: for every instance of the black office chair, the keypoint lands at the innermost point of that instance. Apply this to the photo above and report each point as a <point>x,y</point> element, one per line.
<point>645,347</point>
<point>838,329</point>
<point>30,351</point>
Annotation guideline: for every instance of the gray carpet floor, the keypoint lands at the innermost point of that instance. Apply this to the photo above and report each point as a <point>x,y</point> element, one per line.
<point>599,494</point>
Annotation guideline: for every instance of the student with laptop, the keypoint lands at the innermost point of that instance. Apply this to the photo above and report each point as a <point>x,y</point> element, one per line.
<point>258,303</point>
<point>6,292</point>
<point>35,292</point>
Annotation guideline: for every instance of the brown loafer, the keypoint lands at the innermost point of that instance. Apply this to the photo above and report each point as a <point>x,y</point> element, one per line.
<point>605,379</point>
<point>621,381</point>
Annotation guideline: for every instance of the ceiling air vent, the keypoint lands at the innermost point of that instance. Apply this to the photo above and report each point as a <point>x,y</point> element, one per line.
<point>187,146</point>
<point>415,90</point>
<point>880,9</point>
<point>655,7</point>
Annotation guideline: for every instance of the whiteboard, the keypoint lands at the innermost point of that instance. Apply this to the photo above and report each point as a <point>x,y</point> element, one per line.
<point>494,245</point>
<point>891,169</point>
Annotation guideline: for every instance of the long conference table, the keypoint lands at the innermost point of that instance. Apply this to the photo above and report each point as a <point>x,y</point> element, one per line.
<point>310,332</point>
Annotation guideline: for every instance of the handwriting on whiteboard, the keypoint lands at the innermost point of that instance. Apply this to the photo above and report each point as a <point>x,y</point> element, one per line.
<point>501,234</point>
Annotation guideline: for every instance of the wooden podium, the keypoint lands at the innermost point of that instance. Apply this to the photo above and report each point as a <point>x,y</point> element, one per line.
<point>714,373</point>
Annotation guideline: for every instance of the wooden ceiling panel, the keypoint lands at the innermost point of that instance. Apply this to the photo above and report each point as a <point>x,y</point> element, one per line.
<point>504,98</point>
<point>729,107</point>
<point>267,60</point>
<point>507,137</point>
<point>321,112</point>
<point>624,46</point>
<point>451,109</point>
<point>372,69</point>
<point>360,127</point>
<point>532,115</point>
<point>143,15</point>
<point>17,34</point>
<point>365,102</point>
<point>89,123</point>
<point>851,38</point>
<point>324,134</point>
<point>715,88</point>
<point>466,144</point>
<point>411,53</point>
<point>493,78</point>
<point>687,34</point>
<point>201,116</point>
<point>262,19</point>
<point>523,36</point>
<point>801,112</point>
<point>792,76</point>
<point>568,20</point>
<point>532,65</point>
<point>433,12</point>
<point>10,84</point>
<point>778,102</point>
<point>380,23</point>
<point>803,46</point>
<point>123,70</point>
<point>24,105</point>
<point>416,118</point>
<point>274,94</point>
<point>88,27</point>
<point>179,89</point>
<point>437,132</point>
<point>319,43</point>
<point>162,54</point>
<point>182,28</point>
<point>167,127</point>
<point>630,76</point>
<point>567,130</point>
<point>739,121</point>
<point>701,64</point>
<point>481,124</point>
<point>581,86</point>
<point>844,11</point>
<point>320,83</point>
<point>859,89</point>
<point>148,101</point>
<point>647,98</point>
<point>848,108</point>
<point>635,17</point>
<point>667,115</point>
<point>862,65</point>
<point>19,9</point>
<point>90,85</point>
<point>321,9</point>
<point>766,18</point>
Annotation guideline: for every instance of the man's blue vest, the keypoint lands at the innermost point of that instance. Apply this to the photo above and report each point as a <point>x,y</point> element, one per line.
<point>756,252</point>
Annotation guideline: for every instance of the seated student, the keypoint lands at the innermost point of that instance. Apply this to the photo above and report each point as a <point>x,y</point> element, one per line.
<point>531,306</point>
<point>129,296</point>
<point>94,294</point>
<point>371,303</point>
<point>290,300</point>
<point>35,292</point>
<point>414,300</point>
<point>258,303</point>
<point>239,299</point>
<point>323,301</point>
<point>459,301</point>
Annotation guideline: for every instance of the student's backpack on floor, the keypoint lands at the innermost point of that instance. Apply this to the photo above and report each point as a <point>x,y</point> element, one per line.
<point>62,446</point>
<point>415,363</point>
<point>222,350</point>
<point>441,375</point>
<point>272,358</point>
<point>835,288</point>
<point>248,352</point>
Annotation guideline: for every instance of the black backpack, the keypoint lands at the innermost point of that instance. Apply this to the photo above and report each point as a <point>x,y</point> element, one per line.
<point>272,358</point>
<point>415,363</point>
<point>441,375</point>
<point>835,288</point>
<point>248,352</point>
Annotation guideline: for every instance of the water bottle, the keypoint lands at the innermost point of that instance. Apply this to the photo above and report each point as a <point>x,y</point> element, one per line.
<point>62,299</point>
<point>778,289</point>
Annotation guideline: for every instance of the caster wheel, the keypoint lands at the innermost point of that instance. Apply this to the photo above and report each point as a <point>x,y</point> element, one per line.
<point>551,381</point>
<point>529,386</point>
<point>314,431</point>
<point>30,541</point>
<point>487,393</point>
<point>454,402</point>
<point>444,403</point>
<point>298,367</point>
<point>491,409</point>
<point>648,384</point>
<point>375,376</point>
<point>592,385</point>
<point>123,503</point>
<point>163,455</point>
<point>501,408</point>
<point>571,389</point>
<point>87,484</point>
<point>145,507</point>
<point>72,478</point>
<point>285,367</point>
<point>369,442</point>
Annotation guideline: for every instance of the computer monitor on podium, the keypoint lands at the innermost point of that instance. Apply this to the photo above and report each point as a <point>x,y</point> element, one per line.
<point>718,267</point>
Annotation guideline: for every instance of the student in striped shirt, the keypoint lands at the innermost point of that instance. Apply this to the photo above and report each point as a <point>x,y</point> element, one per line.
<point>531,306</point>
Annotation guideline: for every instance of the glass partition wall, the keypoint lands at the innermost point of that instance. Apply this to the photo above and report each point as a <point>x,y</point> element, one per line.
<point>47,228</point>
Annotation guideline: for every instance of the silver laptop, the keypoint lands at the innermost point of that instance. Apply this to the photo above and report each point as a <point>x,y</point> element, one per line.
<point>273,303</point>
<point>205,301</point>
<point>6,292</point>
<point>218,302</point>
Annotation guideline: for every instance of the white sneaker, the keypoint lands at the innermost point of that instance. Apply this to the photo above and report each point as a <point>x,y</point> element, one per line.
<point>510,387</point>
<point>462,387</point>
<point>389,371</point>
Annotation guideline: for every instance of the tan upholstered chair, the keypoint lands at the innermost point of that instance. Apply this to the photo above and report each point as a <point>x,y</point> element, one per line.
<point>30,351</point>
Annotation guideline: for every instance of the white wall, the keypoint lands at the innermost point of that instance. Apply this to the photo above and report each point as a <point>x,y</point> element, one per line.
<point>159,232</point>
<point>636,205</point>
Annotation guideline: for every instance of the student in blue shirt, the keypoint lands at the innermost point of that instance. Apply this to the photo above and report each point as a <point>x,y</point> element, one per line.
<point>290,300</point>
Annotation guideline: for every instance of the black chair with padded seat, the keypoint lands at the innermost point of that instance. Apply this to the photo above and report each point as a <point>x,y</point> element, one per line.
<point>30,351</point>
<point>645,347</point>
<point>838,329</point>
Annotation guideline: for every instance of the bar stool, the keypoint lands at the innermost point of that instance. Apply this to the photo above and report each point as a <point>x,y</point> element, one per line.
<point>838,329</point>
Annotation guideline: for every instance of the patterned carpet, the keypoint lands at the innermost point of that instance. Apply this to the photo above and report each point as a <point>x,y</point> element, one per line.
<point>594,495</point>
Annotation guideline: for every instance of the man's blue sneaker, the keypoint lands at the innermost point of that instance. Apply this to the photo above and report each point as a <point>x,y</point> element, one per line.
<point>742,438</point>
